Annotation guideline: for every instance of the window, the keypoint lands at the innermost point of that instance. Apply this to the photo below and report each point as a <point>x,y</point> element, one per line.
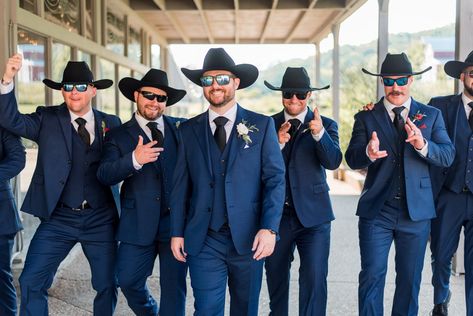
<point>134,45</point>
<point>106,97</point>
<point>125,107</point>
<point>64,13</point>
<point>60,55</point>
<point>115,32</point>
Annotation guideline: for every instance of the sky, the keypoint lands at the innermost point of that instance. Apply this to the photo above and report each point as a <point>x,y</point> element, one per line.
<point>361,27</point>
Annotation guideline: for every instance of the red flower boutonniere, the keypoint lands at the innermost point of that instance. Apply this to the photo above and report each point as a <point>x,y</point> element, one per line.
<point>417,117</point>
<point>105,129</point>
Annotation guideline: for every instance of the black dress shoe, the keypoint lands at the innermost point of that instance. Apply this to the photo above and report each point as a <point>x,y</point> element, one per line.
<point>442,308</point>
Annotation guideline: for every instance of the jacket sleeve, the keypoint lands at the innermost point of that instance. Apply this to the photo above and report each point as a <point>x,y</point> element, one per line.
<point>441,151</point>
<point>14,156</point>
<point>355,155</point>
<point>328,148</point>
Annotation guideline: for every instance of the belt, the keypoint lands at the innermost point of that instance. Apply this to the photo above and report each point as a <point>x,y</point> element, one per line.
<point>83,206</point>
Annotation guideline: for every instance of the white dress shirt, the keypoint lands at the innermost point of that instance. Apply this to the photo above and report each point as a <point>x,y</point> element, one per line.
<point>301,117</point>
<point>466,100</point>
<point>142,123</point>
<point>230,115</point>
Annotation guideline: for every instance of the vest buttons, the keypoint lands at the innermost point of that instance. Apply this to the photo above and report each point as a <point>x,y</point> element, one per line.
<point>158,198</point>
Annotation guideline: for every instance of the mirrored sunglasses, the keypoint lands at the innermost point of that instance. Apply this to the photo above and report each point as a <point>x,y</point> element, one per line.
<point>290,94</point>
<point>469,73</point>
<point>389,82</point>
<point>80,87</point>
<point>151,96</point>
<point>222,80</point>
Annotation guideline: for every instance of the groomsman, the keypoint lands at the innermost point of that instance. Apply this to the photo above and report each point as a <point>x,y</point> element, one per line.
<point>397,141</point>
<point>142,154</point>
<point>309,144</point>
<point>453,189</point>
<point>65,194</point>
<point>228,191</point>
<point>12,161</point>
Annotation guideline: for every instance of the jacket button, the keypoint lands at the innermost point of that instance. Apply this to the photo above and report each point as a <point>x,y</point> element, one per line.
<point>62,182</point>
<point>209,209</point>
<point>158,198</point>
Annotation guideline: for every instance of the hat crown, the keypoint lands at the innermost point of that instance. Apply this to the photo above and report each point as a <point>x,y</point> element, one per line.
<point>296,78</point>
<point>469,58</point>
<point>396,64</point>
<point>156,76</point>
<point>77,71</point>
<point>218,59</point>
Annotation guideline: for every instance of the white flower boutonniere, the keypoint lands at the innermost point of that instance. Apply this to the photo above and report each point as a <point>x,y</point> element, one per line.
<point>178,123</point>
<point>244,129</point>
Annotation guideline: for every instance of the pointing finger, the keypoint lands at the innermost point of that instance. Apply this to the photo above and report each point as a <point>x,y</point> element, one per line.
<point>140,140</point>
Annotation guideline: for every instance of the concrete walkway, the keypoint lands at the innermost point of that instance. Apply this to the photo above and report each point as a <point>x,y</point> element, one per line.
<point>71,293</point>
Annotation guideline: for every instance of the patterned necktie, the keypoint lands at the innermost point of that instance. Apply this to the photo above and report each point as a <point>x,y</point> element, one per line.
<point>82,131</point>
<point>399,121</point>
<point>156,134</point>
<point>220,135</point>
<point>470,116</point>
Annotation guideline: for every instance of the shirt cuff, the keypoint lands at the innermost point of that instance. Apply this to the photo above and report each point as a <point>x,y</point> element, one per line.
<point>6,88</point>
<point>281,146</point>
<point>318,137</point>
<point>136,165</point>
<point>424,150</point>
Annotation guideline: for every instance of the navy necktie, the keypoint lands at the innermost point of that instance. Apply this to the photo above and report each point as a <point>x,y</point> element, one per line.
<point>470,116</point>
<point>156,134</point>
<point>82,131</point>
<point>399,121</point>
<point>220,135</point>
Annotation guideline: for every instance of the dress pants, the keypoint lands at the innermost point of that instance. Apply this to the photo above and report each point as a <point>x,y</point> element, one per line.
<point>7,289</point>
<point>313,245</point>
<point>94,229</point>
<point>410,240</point>
<point>453,211</point>
<point>209,270</point>
<point>135,265</point>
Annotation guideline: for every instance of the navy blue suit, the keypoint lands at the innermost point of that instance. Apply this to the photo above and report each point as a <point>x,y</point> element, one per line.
<point>388,213</point>
<point>454,201</point>
<point>65,170</point>
<point>12,161</point>
<point>248,188</point>
<point>144,225</point>
<point>306,218</point>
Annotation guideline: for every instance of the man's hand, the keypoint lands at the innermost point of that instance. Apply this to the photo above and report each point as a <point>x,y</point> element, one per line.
<point>315,125</point>
<point>368,107</point>
<point>146,153</point>
<point>177,248</point>
<point>11,68</point>
<point>283,133</point>
<point>264,243</point>
<point>373,148</point>
<point>414,135</point>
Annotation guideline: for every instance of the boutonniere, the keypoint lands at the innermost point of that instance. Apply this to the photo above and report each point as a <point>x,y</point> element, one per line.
<point>244,129</point>
<point>178,123</point>
<point>105,129</point>
<point>417,117</point>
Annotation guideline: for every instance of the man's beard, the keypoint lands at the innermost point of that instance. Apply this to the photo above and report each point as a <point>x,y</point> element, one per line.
<point>227,97</point>
<point>148,117</point>
<point>468,89</point>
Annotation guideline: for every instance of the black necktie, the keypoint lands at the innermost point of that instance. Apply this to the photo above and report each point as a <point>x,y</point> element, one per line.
<point>470,116</point>
<point>82,131</point>
<point>399,121</point>
<point>156,134</point>
<point>220,135</point>
<point>295,124</point>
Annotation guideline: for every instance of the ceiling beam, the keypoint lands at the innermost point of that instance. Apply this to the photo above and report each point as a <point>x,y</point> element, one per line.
<point>162,5</point>
<point>205,22</point>
<point>266,23</point>
<point>296,25</point>
<point>237,33</point>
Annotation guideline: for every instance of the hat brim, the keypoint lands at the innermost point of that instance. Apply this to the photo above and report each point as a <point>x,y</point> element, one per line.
<point>454,68</point>
<point>129,85</point>
<point>396,74</point>
<point>270,86</point>
<point>99,84</point>
<point>247,74</point>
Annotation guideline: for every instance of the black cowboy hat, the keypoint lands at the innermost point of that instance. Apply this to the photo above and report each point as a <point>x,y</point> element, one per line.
<point>78,72</point>
<point>155,78</point>
<point>454,68</point>
<point>218,59</point>
<point>396,65</point>
<point>295,79</point>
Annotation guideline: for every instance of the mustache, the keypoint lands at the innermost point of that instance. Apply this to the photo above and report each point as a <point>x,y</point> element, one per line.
<point>396,93</point>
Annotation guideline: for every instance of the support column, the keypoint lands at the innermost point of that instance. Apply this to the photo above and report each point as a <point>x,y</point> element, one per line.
<point>336,72</point>
<point>317,69</point>
<point>163,58</point>
<point>7,25</point>
<point>383,39</point>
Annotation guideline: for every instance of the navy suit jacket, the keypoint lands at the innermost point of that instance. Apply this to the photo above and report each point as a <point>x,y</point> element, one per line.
<point>377,185</point>
<point>254,182</point>
<point>12,161</point>
<point>50,127</point>
<point>306,169</point>
<point>139,195</point>
<point>451,107</point>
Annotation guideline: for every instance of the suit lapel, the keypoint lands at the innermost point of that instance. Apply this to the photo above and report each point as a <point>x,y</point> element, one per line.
<point>386,127</point>
<point>66,126</point>
<point>236,143</point>
<point>100,125</point>
<point>201,130</point>
<point>453,112</point>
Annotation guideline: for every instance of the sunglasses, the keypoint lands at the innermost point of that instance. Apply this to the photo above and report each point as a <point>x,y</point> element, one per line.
<point>222,80</point>
<point>80,87</point>
<point>469,73</point>
<point>290,94</point>
<point>151,96</point>
<point>389,82</point>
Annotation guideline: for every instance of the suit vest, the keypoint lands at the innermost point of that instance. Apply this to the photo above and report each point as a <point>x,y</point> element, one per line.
<point>398,184</point>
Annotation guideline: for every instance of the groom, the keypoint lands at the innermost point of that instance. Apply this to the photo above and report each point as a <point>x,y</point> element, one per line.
<point>228,193</point>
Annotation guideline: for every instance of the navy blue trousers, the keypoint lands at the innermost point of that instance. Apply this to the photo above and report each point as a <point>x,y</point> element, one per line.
<point>218,262</point>
<point>7,290</point>
<point>94,229</point>
<point>313,245</point>
<point>453,211</point>
<point>135,265</point>
<point>392,224</point>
